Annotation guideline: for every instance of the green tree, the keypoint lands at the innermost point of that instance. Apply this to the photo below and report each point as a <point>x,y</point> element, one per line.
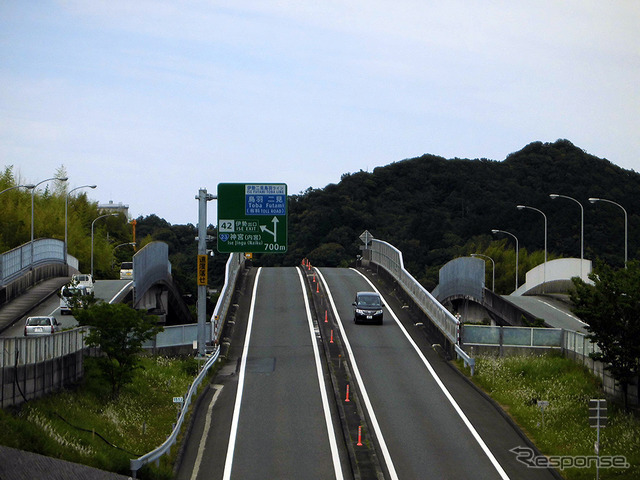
<point>611,307</point>
<point>119,332</point>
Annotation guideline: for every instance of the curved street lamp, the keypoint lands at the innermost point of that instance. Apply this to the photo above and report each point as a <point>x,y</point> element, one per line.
<point>133,244</point>
<point>494,231</point>
<point>29,185</point>
<point>493,271</point>
<point>66,203</point>
<point>544,280</point>
<point>94,221</point>
<point>557,195</point>
<point>594,200</point>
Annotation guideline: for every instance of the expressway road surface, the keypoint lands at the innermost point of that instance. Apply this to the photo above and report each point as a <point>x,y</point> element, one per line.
<point>266,417</point>
<point>270,419</point>
<point>105,290</point>
<point>432,423</point>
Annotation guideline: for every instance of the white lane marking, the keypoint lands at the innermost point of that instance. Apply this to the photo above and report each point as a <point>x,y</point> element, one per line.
<point>323,391</point>
<point>433,373</point>
<point>363,390</point>
<point>228,464</point>
<point>205,432</point>
<point>121,290</point>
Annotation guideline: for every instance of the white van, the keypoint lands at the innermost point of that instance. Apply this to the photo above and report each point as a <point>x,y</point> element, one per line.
<point>67,292</point>
<point>83,280</point>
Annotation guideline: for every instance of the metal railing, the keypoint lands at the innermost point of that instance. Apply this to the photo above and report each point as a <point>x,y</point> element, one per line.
<point>137,463</point>
<point>234,264</point>
<point>30,350</point>
<point>17,261</point>
<point>579,343</point>
<point>533,337</point>
<point>176,336</point>
<point>390,258</point>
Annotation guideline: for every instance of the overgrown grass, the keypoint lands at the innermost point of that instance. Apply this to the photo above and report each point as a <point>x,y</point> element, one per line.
<point>517,383</point>
<point>138,421</point>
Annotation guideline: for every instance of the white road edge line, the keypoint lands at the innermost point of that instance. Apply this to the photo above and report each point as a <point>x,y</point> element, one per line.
<point>205,432</point>
<point>243,366</point>
<point>116,295</point>
<point>335,455</point>
<point>565,313</point>
<point>363,390</point>
<point>433,373</point>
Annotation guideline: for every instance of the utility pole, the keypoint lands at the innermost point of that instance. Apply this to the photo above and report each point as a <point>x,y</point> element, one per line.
<point>203,197</point>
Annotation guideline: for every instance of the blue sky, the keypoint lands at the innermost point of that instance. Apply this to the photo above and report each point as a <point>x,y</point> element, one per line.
<point>152,100</point>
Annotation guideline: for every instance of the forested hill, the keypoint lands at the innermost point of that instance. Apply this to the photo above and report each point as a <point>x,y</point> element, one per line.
<point>434,209</point>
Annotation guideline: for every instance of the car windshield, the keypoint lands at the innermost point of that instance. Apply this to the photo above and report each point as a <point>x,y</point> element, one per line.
<point>38,321</point>
<point>126,265</point>
<point>82,278</point>
<point>369,300</point>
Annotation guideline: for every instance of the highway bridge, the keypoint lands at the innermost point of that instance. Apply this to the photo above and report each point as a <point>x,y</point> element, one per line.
<point>306,393</point>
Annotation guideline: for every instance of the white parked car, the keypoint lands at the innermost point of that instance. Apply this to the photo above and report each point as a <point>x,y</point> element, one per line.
<point>67,292</point>
<point>83,280</point>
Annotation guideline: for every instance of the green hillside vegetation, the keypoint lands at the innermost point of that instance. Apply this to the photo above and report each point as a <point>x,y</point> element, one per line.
<point>434,210</point>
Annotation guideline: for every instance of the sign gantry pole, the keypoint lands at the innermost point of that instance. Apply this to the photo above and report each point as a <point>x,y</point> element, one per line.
<point>203,197</point>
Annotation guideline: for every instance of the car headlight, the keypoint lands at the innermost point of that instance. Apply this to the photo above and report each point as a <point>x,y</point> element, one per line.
<point>359,311</point>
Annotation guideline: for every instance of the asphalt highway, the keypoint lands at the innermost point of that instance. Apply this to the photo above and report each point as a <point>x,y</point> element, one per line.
<point>266,415</point>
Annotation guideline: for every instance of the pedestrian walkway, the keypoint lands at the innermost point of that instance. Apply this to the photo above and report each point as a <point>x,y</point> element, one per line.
<point>20,306</point>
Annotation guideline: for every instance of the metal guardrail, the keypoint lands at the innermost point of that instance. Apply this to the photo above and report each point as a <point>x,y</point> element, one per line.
<point>234,264</point>
<point>17,261</point>
<point>390,258</point>
<point>30,350</point>
<point>137,463</point>
<point>468,361</point>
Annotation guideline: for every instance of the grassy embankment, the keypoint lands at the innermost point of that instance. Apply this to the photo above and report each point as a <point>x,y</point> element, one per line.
<point>136,423</point>
<point>516,383</point>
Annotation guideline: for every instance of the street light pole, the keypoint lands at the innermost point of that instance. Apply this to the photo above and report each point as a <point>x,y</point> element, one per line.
<point>594,200</point>
<point>33,191</point>
<point>556,195</point>
<point>66,203</point>
<point>493,269</point>
<point>544,280</point>
<point>494,231</point>
<point>94,221</point>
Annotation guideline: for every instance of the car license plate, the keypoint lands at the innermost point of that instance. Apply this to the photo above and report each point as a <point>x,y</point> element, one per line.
<point>369,317</point>
<point>39,329</point>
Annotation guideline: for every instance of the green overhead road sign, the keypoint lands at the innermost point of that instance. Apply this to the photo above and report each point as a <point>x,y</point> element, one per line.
<point>252,217</point>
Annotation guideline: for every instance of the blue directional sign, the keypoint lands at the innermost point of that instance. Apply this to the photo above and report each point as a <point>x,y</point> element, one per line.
<point>252,217</point>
